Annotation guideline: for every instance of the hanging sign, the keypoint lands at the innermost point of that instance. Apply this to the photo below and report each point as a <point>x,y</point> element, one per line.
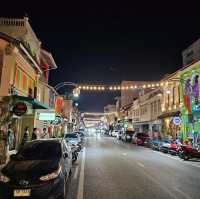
<point>177,120</point>
<point>20,108</point>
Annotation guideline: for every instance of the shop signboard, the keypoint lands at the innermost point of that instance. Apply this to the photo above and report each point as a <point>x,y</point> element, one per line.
<point>177,120</point>
<point>20,108</point>
<point>47,116</point>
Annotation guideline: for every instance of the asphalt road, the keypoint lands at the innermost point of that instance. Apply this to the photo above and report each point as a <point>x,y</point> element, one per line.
<point>111,169</point>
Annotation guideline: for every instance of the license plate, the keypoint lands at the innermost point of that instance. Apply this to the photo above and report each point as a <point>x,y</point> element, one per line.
<point>22,192</point>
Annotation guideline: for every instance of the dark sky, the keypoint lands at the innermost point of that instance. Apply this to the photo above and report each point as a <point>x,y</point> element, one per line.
<point>108,44</point>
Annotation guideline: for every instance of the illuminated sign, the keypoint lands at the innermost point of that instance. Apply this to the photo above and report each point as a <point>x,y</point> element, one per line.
<point>47,116</point>
<point>20,108</point>
<point>177,120</point>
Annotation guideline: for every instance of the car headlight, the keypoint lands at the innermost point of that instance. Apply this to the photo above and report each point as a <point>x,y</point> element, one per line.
<point>52,175</point>
<point>4,178</point>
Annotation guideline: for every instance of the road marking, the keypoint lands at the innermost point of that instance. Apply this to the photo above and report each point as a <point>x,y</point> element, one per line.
<point>75,173</point>
<point>81,178</point>
<point>140,164</point>
<point>124,154</point>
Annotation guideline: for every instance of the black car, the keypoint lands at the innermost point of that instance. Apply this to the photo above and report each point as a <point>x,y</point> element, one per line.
<point>39,170</point>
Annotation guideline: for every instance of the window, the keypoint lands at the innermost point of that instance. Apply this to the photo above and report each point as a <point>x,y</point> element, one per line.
<point>178,94</point>
<point>159,107</point>
<point>173,95</point>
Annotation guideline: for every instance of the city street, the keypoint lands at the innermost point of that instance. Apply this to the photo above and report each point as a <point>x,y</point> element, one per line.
<point>110,168</point>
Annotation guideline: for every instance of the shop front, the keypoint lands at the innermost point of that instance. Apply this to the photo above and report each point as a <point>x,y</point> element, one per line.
<point>170,128</point>
<point>190,110</point>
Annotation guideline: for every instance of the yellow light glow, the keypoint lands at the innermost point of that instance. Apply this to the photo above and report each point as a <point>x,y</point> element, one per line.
<point>149,85</point>
<point>161,84</point>
<point>84,87</point>
<point>119,88</point>
<point>127,88</point>
<point>95,88</point>
<point>166,83</point>
<point>79,87</point>
<point>110,87</point>
<point>131,87</point>
<point>91,88</point>
<point>102,88</point>
<point>123,87</point>
<point>115,88</point>
<point>87,87</point>
<point>153,85</point>
<point>157,84</point>
<point>144,86</point>
<point>135,86</point>
<point>99,88</point>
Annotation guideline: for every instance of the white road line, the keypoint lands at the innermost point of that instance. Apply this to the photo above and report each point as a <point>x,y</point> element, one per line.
<point>75,173</point>
<point>140,164</point>
<point>81,178</point>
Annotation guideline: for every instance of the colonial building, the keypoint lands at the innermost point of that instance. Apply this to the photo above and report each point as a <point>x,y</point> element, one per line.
<point>24,69</point>
<point>170,104</point>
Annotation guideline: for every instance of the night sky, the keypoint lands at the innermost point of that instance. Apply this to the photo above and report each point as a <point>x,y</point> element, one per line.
<point>108,44</point>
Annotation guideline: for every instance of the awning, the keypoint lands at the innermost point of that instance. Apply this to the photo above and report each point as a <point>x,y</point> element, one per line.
<point>35,103</point>
<point>170,114</point>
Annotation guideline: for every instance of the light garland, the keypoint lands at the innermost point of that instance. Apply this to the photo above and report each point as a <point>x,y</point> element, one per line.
<point>117,88</point>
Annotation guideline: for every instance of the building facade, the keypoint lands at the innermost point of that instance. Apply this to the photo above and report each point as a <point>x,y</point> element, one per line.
<point>24,69</point>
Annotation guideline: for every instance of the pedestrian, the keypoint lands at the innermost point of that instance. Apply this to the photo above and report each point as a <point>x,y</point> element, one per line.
<point>45,134</point>
<point>11,138</point>
<point>26,136</point>
<point>34,134</point>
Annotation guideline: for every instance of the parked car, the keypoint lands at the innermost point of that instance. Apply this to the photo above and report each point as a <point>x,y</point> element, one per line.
<point>187,152</point>
<point>155,144</point>
<point>81,135</point>
<point>127,136</point>
<point>119,134</point>
<point>174,148</point>
<point>140,138</point>
<point>165,145</point>
<point>39,170</point>
<point>114,133</point>
<point>73,139</point>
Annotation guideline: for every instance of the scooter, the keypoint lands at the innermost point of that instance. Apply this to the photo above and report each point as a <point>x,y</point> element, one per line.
<point>174,148</point>
<point>187,152</point>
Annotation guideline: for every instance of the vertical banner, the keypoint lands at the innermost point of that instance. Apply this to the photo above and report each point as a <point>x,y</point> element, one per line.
<point>59,105</point>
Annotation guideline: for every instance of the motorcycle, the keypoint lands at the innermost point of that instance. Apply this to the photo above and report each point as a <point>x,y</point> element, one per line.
<point>187,152</point>
<point>75,150</point>
<point>174,148</point>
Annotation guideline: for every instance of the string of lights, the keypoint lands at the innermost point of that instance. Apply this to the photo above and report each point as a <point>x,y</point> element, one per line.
<point>91,87</point>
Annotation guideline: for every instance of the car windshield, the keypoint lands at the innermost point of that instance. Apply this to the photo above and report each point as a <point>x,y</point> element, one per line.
<point>40,150</point>
<point>74,136</point>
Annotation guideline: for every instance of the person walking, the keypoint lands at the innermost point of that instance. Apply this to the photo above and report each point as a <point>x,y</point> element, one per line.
<point>11,138</point>
<point>26,136</point>
<point>34,134</point>
<point>45,134</point>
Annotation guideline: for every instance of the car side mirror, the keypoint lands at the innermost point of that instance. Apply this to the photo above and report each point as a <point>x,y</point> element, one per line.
<point>65,155</point>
